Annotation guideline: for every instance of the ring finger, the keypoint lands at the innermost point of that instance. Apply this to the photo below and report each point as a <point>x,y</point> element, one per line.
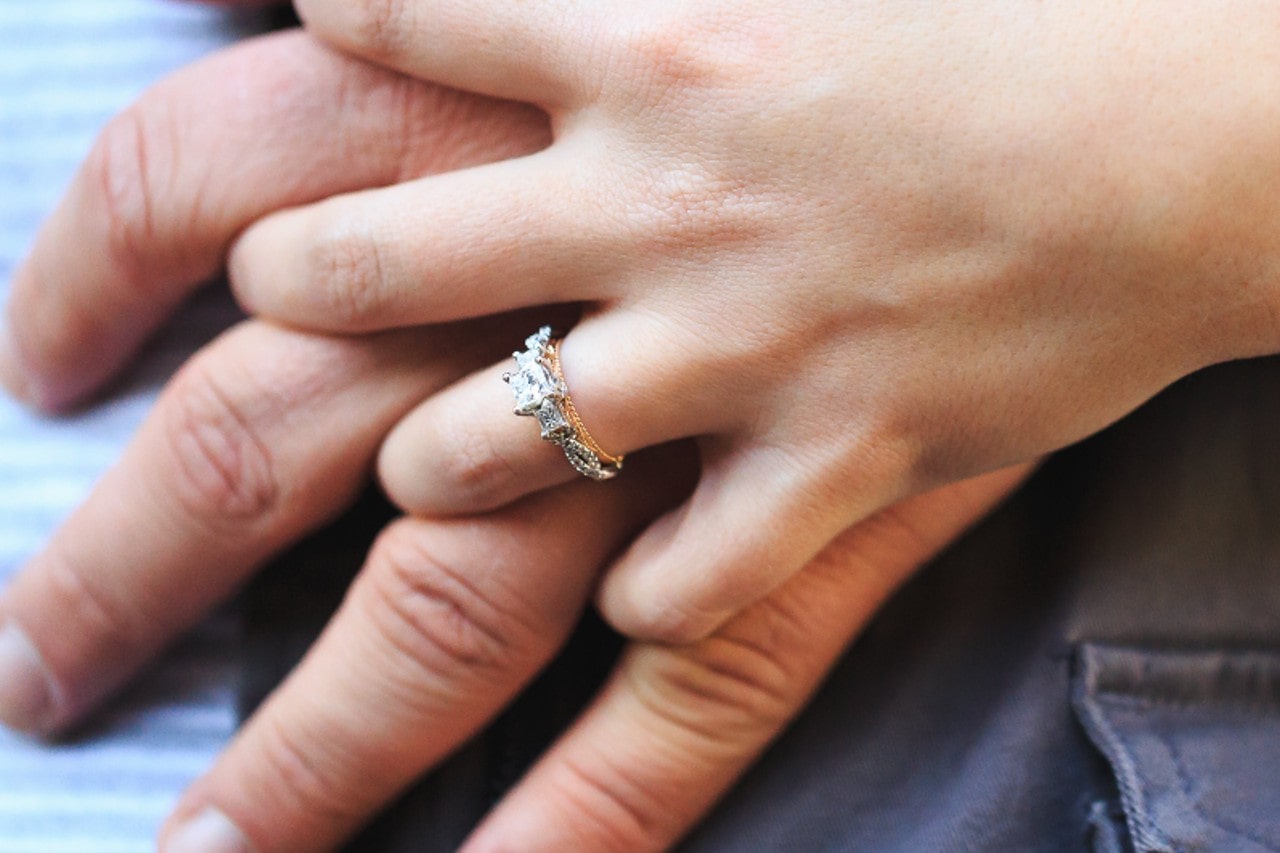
<point>463,451</point>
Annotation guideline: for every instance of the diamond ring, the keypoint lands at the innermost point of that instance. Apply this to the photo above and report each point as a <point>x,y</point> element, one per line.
<point>541,392</point>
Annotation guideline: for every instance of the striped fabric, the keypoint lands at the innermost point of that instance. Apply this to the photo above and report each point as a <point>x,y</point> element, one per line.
<point>65,67</point>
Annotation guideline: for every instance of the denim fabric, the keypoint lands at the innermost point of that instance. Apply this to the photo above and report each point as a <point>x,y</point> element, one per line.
<point>1140,569</point>
<point>1108,831</point>
<point>949,726</point>
<point>1194,741</point>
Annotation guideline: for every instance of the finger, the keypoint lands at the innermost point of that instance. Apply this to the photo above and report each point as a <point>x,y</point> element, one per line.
<point>464,244</point>
<point>441,629</point>
<point>250,446</point>
<point>463,450</point>
<point>535,50</point>
<point>218,145</point>
<point>758,515</point>
<point>675,727</point>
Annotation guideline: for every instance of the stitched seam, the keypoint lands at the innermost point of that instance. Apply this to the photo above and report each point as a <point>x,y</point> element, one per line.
<point>1257,709</point>
<point>1144,834</point>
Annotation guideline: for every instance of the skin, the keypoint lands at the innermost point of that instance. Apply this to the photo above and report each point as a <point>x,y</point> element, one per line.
<point>270,431</point>
<point>857,251</point>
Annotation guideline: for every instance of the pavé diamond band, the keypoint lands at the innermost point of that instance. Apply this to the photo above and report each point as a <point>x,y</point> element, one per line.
<point>541,392</point>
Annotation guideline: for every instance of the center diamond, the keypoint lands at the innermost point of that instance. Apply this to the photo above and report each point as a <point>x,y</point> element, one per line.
<point>532,384</point>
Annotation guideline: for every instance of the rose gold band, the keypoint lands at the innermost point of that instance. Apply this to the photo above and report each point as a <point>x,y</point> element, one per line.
<point>571,413</point>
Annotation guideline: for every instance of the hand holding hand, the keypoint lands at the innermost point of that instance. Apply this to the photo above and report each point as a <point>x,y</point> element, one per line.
<point>857,250</point>
<point>269,432</point>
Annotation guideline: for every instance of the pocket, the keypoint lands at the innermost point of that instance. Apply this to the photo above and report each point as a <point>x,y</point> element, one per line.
<point>1193,738</point>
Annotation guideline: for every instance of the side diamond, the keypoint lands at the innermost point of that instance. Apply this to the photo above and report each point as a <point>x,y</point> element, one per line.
<point>538,342</point>
<point>555,427</point>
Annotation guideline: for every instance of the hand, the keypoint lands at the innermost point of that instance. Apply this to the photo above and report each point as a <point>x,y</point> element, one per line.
<point>858,250</point>
<point>255,443</point>
<point>669,733</point>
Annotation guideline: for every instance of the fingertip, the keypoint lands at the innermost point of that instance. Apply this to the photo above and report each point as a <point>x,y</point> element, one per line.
<point>240,267</point>
<point>701,564</point>
<point>18,374</point>
<point>13,375</point>
<point>519,830</point>
<point>207,830</point>
<point>250,260</point>
<point>26,694</point>
<point>652,617</point>
<point>464,451</point>
<point>643,598</point>
<point>50,360</point>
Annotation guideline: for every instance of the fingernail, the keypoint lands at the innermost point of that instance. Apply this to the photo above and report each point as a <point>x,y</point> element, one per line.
<point>26,704</point>
<point>210,831</point>
<point>12,376</point>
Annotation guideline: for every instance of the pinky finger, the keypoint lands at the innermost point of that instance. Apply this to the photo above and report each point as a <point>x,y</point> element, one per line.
<point>675,727</point>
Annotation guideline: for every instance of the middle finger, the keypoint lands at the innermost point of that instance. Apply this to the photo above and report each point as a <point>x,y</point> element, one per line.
<point>531,50</point>
<point>446,622</point>
<point>497,237</point>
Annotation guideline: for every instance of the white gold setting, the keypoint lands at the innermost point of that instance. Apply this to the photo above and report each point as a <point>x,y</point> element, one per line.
<point>541,393</point>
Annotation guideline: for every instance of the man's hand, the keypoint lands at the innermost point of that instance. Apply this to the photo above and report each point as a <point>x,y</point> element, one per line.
<point>450,618</point>
<point>278,122</point>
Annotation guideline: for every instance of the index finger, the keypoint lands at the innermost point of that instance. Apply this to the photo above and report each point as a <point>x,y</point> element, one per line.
<point>251,446</point>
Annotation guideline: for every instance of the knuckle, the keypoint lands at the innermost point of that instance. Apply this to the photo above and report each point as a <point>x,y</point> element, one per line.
<point>476,470</point>
<point>378,26</point>
<point>675,55</point>
<point>662,625</point>
<point>224,469</point>
<point>440,620</point>
<point>892,453</point>
<point>122,169</point>
<point>670,50</point>
<point>344,274</point>
<point>724,690</point>
<point>106,618</point>
<point>654,619</point>
<point>688,63</point>
<point>612,810</point>
<point>301,775</point>
<point>679,209</point>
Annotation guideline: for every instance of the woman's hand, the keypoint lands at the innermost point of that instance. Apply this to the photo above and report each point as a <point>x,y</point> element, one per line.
<point>268,433</point>
<point>857,249</point>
